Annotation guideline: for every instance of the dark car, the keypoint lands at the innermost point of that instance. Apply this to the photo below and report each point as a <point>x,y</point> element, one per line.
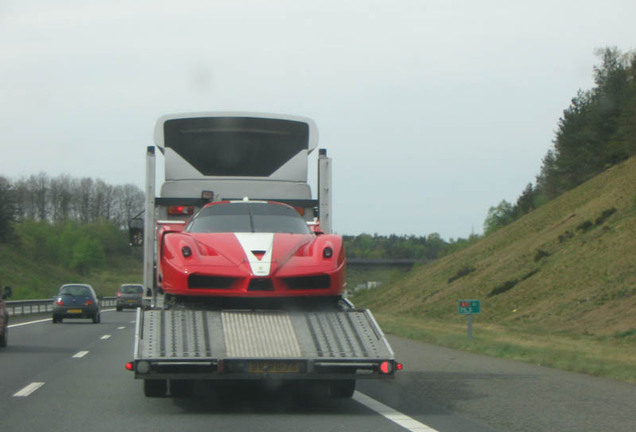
<point>130,296</point>
<point>76,301</point>
<point>4,318</point>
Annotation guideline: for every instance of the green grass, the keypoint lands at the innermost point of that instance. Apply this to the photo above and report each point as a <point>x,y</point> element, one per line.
<point>36,280</point>
<point>572,305</point>
<point>595,356</point>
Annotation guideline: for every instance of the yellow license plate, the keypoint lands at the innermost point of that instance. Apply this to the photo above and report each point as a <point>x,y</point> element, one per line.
<point>74,311</point>
<point>273,366</point>
<point>132,301</point>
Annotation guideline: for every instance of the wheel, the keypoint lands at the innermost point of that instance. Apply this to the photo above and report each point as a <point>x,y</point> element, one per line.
<point>155,388</point>
<point>119,308</point>
<point>342,388</point>
<point>56,320</point>
<point>97,318</point>
<point>4,339</point>
<point>181,388</point>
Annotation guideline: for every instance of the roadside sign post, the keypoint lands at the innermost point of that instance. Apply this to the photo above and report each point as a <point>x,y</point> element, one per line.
<point>468,308</point>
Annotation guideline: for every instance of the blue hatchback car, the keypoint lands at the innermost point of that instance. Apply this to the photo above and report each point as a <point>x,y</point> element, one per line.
<point>76,301</point>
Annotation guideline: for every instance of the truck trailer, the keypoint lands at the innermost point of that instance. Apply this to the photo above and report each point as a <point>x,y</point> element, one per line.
<point>243,275</point>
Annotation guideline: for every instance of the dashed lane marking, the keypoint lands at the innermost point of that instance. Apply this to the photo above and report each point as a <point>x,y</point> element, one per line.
<point>105,337</point>
<point>80,354</point>
<point>121,328</point>
<point>26,391</point>
<point>389,413</point>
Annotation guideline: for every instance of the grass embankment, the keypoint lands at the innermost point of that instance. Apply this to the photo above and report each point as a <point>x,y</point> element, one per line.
<point>33,279</point>
<point>558,286</point>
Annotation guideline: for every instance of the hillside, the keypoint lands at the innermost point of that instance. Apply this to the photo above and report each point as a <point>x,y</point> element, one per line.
<point>567,269</point>
<point>34,279</point>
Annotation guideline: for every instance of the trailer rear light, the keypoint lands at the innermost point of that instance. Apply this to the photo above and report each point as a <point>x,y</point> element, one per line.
<point>143,367</point>
<point>385,367</point>
<point>399,366</point>
<point>181,210</point>
<point>130,366</point>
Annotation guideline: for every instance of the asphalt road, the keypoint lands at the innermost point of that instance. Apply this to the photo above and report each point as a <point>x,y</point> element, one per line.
<point>71,376</point>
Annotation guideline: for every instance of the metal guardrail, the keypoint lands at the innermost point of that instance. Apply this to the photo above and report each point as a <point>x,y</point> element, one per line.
<point>32,307</point>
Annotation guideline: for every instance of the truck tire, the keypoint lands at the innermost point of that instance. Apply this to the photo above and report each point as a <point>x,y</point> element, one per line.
<point>342,388</point>
<point>4,339</point>
<point>155,388</point>
<point>181,388</point>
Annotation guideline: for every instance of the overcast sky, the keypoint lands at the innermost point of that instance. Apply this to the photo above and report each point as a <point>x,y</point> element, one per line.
<point>433,110</point>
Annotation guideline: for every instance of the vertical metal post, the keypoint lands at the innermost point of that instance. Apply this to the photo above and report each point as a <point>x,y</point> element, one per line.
<point>469,320</point>
<point>324,191</point>
<point>149,226</point>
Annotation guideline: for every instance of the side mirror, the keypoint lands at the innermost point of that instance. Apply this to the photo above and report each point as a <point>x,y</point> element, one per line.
<point>136,232</point>
<point>8,292</point>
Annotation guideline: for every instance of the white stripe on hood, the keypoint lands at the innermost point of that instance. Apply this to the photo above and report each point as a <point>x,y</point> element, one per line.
<point>257,242</point>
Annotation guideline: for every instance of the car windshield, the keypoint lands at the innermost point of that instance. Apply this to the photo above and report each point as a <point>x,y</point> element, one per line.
<point>132,289</point>
<point>248,217</point>
<point>75,290</point>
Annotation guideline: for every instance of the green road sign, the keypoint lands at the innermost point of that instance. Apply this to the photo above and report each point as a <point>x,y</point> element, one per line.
<point>469,307</point>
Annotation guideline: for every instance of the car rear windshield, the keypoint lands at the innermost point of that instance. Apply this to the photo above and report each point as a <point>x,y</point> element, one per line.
<point>132,289</point>
<point>75,290</point>
<point>248,217</point>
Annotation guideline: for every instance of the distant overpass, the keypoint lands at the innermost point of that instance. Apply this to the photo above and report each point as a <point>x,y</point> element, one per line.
<point>407,262</point>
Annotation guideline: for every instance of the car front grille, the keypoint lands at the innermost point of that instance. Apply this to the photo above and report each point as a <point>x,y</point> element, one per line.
<point>262,284</point>
<point>308,282</point>
<point>209,282</point>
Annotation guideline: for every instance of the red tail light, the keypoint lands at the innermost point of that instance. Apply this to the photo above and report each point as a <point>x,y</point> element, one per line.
<point>399,366</point>
<point>88,302</point>
<point>60,302</point>
<point>385,367</point>
<point>118,294</point>
<point>181,210</point>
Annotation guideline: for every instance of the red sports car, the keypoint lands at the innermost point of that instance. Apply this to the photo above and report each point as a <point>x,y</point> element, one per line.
<point>249,249</point>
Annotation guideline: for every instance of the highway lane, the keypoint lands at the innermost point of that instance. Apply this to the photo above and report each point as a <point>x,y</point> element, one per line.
<point>79,367</point>
<point>447,390</point>
<point>505,395</point>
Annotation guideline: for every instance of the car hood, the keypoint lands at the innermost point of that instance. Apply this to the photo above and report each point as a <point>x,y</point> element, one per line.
<point>263,252</point>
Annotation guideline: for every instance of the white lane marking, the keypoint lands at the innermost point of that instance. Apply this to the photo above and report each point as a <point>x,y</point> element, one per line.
<point>397,417</point>
<point>105,337</point>
<point>26,391</point>
<point>45,320</point>
<point>80,354</point>
<point>29,322</point>
<point>121,328</point>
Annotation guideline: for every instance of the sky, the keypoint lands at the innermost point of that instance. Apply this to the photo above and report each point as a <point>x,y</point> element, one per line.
<point>432,110</point>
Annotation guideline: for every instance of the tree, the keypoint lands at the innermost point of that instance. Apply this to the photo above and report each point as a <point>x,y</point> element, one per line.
<point>7,210</point>
<point>498,217</point>
<point>88,253</point>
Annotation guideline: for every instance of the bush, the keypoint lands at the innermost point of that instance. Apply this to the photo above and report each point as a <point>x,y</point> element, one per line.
<point>540,255</point>
<point>461,273</point>
<point>506,286</point>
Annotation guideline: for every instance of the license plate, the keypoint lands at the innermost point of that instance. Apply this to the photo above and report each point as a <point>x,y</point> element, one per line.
<point>74,311</point>
<point>273,366</point>
<point>132,301</point>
